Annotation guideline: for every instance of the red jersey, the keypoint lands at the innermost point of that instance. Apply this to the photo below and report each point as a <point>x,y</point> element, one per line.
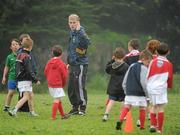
<point>56,73</point>
<point>160,75</point>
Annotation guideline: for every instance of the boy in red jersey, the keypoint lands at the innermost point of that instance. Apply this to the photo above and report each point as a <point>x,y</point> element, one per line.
<point>56,75</point>
<point>159,78</point>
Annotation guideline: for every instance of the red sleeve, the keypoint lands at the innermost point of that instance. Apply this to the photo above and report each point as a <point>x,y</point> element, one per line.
<point>170,78</point>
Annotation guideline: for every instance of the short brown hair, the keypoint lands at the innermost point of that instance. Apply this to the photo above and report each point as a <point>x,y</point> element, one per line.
<point>56,50</point>
<point>134,43</point>
<point>163,49</point>
<point>28,43</point>
<point>152,45</point>
<point>119,53</point>
<point>145,54</point>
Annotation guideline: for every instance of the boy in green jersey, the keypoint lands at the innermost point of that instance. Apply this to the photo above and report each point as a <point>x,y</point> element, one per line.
<point>9,71</point>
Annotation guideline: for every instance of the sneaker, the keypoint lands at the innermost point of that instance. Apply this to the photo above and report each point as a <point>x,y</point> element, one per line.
<point>66,116</point>
<point>105,117</point>
<point>73,112</point>
<point>152,129</point>
<point>33,114</point>
<point>118,125</point>
<point>6,109</point>
<point>138,123</point>
<point>82,113</point>
<point>12,113</point>
<point>159,131</point>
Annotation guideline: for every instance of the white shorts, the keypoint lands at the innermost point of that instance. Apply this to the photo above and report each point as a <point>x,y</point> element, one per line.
<point>156,99</point>
<point>24,86</point>
<point>56,92</point>
<point>135,101</point>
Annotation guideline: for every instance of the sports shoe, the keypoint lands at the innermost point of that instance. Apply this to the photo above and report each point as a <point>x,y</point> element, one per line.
<point>138,123</point>
<point>118,125</point>
<point>152,129</point>
<point>33,114</point>
<point>105,117</point>
<point>159,131</point>
<point>66,116</point>
<point>12,112</point>
<point>6,109</point>
<point>82,113</point>
<point>73,112</point>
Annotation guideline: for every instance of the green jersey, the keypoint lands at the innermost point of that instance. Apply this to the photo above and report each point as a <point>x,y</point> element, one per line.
<point>10,63</point>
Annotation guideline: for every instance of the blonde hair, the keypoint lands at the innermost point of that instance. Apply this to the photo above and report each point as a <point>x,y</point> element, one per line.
<point>152,45</point>
<point>28,43</point>
<point>74,16</point>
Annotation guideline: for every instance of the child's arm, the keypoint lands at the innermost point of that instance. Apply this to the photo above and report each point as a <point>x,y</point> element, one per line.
<point>6,69</point>
<point>170,78</point>
<point>124,85</point>
<point>143,79</point>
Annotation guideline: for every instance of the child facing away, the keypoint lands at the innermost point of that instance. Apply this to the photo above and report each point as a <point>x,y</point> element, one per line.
<point>9,70</point>
<point>24,76</point>
<point>159,78</point>
<point>117,69</point>
<point>25,107</point>
<point>56,75</point>
<point>152,47</point>
<point>133,55</point>
<point>134,85</point>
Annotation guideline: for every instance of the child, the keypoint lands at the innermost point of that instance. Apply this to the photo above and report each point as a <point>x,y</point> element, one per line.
<point>159,78</point>
<point>117,69</point>
<point>56,75</point>
<point>152,47</point>
<point>9,70</point>
<point>133,55</point>
<point>24,76</point>
<point>25,107</point>
<point>134,85</point>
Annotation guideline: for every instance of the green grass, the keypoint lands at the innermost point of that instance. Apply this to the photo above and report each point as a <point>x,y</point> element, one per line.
<point>91,124</point>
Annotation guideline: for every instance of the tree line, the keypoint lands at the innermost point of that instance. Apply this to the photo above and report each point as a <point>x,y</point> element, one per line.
<point>46,22</point>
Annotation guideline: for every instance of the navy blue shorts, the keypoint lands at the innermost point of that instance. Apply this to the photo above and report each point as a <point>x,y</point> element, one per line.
<point>12,85</point>
<point>116,98</point>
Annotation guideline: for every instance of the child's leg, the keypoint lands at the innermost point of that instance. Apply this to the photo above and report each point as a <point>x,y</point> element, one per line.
<point>9,97</point>
<point>109,106</point>
<point>22,100</point>
<point>124,112</point>
<point>60,108</point>
<point>55,108</point>
<point>153,119</point>
<point>160,117</point>
<point>30,102</point>
<point>142,116</point>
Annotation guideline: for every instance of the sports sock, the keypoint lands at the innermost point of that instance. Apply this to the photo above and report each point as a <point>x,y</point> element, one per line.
<point>153,119</point>
<point>61,110</point>
<point>160,119</point>
<point>123,114</point>
<point>142,116</point>
<point>54,109</point>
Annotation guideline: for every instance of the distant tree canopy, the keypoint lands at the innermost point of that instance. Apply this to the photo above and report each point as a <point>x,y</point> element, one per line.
<point>46,22</point>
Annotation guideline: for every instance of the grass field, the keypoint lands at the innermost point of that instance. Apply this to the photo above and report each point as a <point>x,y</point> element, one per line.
<point>91,124</point>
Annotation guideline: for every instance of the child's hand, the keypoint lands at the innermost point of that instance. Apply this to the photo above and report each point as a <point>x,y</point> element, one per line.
<point>4,81</point>
<point>78,26</point>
